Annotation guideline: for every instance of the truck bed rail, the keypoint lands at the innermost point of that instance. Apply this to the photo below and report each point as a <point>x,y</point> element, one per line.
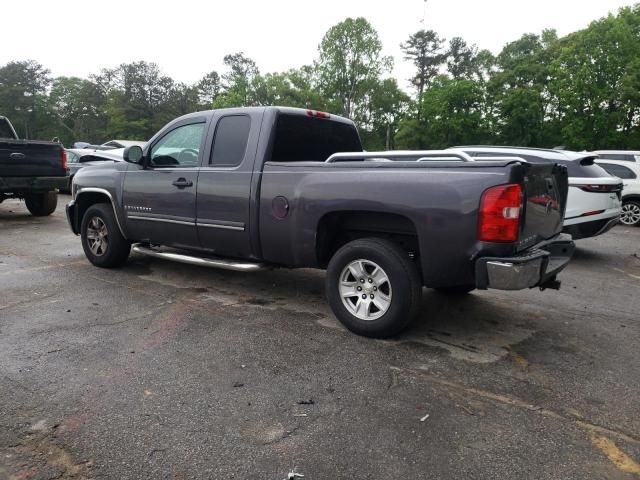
<point>409,155</point>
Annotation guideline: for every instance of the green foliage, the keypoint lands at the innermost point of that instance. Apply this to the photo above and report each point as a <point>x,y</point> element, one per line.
<point>451,115</point>
<point>581,91</point>
<point>425,50</point>
<point>350,65</point>
<point>23,87</point>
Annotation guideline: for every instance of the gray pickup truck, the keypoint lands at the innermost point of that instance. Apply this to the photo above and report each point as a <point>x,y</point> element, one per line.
<point>31,170</point>
<point>253,188</point>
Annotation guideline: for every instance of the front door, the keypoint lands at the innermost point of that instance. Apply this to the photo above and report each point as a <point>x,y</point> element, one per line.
<point>160,199</point>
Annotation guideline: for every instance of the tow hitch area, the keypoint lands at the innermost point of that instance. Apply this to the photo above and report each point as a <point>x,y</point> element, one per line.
<point>552,283</point>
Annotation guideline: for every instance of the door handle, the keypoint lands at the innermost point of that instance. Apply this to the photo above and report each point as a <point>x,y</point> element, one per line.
<point>17,156</point>
<point>182,183</point>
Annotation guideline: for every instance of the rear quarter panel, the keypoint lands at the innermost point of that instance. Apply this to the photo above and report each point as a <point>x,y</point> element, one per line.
<point>441,203</point>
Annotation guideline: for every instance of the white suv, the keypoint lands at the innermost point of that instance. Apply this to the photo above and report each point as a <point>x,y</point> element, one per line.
<point>594,202</point>
<point>629,172</point>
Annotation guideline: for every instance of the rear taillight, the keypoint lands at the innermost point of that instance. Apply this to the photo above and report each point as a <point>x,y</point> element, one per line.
<point>600,188</point>
<point>499,214</point>
<point>63,159</point>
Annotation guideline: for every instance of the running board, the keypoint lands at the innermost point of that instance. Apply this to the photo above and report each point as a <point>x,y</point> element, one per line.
<point>235,265</point>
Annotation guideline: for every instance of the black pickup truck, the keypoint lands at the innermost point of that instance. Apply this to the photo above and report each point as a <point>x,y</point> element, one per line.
<point>31,170</point>
<point>254,188</point>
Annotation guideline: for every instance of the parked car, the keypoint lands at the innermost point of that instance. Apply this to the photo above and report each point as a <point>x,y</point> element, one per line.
<point>594,205</point>
<point>252,188</point>
<point>31,170</point>
<point>622,155</point>
<point>123,143</point>
<point>81,158</point>
<point>629,173</point>
<point>89,146</point>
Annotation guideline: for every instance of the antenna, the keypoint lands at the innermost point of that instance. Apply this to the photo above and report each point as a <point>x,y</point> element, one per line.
<point>424,14</point>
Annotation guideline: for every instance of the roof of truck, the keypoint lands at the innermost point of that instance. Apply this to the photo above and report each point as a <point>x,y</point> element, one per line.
<point>287,110</point>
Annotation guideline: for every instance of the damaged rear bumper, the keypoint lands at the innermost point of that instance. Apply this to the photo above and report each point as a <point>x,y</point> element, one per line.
<point>536,267</point>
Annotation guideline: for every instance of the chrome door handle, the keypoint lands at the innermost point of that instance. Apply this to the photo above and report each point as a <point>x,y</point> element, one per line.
<point>17,156</point>
<point>182,183</point>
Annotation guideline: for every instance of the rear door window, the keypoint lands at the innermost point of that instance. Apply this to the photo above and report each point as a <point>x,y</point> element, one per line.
<point>230,141</point>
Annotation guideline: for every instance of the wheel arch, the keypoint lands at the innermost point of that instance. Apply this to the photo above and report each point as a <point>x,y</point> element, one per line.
<point>335,229</point>
<point>87,197</point>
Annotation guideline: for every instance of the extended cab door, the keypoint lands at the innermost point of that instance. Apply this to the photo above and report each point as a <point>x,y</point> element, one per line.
<point>224,185</point>
<point>160,199</point>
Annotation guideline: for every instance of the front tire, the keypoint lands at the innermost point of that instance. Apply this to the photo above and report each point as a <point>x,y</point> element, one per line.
<point>373,287</point>
<point>630,213</point>
<point>102,241</point>
<point>41,204</point>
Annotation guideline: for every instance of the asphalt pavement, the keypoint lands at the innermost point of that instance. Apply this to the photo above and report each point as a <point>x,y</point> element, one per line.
<point>163,370</point>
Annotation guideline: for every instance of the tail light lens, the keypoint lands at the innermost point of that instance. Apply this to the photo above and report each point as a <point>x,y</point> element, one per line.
<point>63,158</point>
<point>499,214</point>
<point>600,188</point>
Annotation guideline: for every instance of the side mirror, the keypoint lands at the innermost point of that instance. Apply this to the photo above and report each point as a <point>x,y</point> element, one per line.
<point>133,154</point>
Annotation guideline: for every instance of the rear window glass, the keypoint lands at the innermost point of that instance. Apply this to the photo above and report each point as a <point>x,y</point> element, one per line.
<point>585,171</point>
<point>618,156</point>
<point>230,143</point>
<point>300,139</point>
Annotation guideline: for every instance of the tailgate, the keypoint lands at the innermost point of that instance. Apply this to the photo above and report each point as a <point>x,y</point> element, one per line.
<point>22,158</point>
<point>546,189</point>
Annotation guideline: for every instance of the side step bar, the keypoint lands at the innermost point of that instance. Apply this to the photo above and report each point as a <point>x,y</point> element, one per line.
<point>235,265</point>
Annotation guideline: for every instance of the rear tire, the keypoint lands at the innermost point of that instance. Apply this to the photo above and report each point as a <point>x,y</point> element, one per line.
<point>41,204</point>
<point>384,274</point>
<point>630,213</point>
<point>102,241</point>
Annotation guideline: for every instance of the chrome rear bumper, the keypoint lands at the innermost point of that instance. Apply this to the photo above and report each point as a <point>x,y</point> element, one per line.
<point>536,267</point>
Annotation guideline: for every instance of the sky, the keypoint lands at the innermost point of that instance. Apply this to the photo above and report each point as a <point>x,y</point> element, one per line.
<point>188,38</point>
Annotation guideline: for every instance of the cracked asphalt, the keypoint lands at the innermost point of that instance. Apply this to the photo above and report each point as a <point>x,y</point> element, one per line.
<point>161,370</point>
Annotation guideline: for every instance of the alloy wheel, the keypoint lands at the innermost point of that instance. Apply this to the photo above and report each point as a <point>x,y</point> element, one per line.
<point>630,214</point>
<point>97,236</point>
<point>365,289</point>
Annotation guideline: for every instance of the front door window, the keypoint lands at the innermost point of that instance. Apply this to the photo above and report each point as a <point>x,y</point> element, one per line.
<point>178,148</point>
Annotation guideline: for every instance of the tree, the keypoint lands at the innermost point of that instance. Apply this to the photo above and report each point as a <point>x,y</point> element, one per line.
<point>140,99</point>
<point>461,59</point>
<point>519,92</point>
<point>208,89</point>
<point>388,104</point>
<point>425,50</point>
<point>452,115</point>
<point>294,88</point>
<point>23,88</point>
<point>237,81</point>
<point>78,106</point>
<point>595,79</point>
<point>350,63</point>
